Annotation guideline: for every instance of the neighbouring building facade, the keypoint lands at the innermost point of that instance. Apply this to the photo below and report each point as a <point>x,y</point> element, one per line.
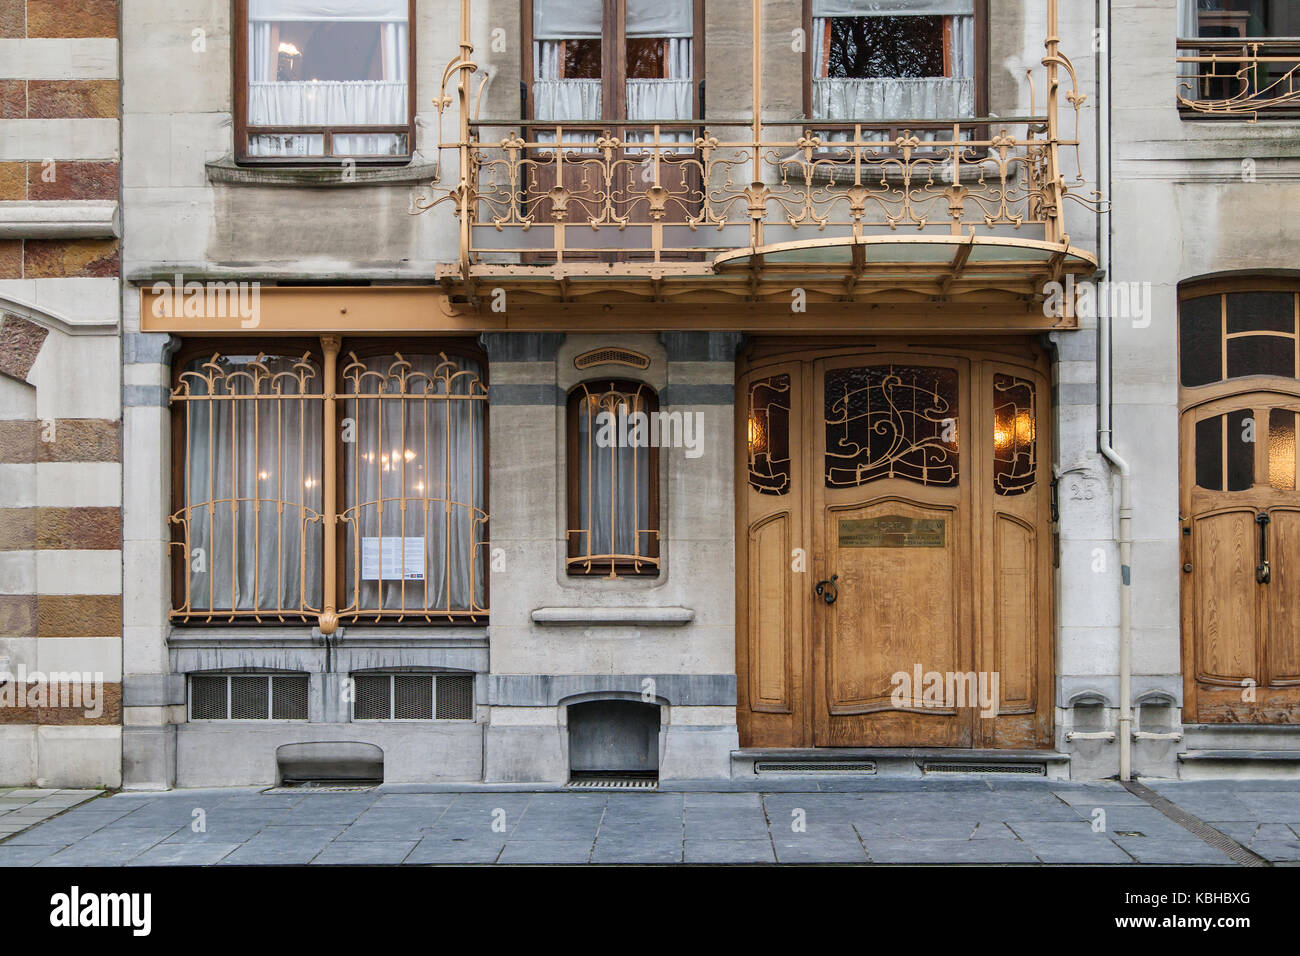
<point>60,395</point>
<point>548,390</point>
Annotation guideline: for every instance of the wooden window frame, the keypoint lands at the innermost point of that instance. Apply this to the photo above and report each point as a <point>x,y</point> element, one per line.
<point>1221,288</point>
<point>981,62</point>
<point>613,67</point>
<point>647,565</point>
<point>243,131</point>
<point>363,347</point>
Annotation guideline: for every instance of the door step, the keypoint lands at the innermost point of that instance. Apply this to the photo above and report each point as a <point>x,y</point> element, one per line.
<point>897,762</point>
<point>1241,737</point>
<point>1229,764</point>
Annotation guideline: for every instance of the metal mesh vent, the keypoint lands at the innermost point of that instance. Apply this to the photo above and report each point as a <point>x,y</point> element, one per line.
<point>614,782</point>
<point>208,698</point>
<point>373,697</point>
<point>1029,769</point>
<point>456,697</point>
<point>289,697</point>
<point>412,697</point>
<point>612,356</point>
<point>249,698</point>
<point>862,767</point>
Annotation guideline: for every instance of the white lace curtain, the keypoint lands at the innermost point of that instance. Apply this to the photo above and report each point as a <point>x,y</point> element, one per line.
<point>1188,27</point>
<point>422,450</point>
<point>381,102</point>
<point>557,98</point>
<point>843,98</point>
<point>613,483</point>
<point>254,453</point>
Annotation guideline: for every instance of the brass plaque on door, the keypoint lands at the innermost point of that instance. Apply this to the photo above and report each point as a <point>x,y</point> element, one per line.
<point>894,531</point>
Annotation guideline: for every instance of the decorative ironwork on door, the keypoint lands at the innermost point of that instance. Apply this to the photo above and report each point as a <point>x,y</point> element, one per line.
<point>891,421</point>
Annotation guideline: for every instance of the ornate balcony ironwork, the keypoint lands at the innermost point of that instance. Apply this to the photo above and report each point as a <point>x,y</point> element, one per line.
<point>744,208</point>
<point>1238,78</point>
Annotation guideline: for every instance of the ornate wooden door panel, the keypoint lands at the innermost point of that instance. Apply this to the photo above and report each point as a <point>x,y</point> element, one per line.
<point>1241,558</point>
<point>926,549</point>
<point>771,623</point>
<point>889,499</point>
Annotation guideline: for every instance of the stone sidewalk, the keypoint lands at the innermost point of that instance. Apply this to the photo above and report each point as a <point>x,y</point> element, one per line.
<point>847,820</point>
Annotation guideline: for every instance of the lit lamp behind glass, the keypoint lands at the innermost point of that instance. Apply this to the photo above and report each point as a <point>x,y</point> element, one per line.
<point>287,63</point>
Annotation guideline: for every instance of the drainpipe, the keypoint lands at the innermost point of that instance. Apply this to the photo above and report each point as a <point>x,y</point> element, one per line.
<point>1105,430</point>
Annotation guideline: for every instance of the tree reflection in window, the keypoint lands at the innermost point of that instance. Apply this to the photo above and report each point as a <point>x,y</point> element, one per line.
<point>891,421</point>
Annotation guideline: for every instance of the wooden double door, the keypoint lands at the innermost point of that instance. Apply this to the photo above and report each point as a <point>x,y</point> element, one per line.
<point>1241,559</point>
<point>893,546</point>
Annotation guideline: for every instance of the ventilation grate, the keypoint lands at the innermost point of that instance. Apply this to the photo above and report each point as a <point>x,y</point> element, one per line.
<point>612,356</point>
<point>208,698</point>
<point>413,697</point>
<point>289,697</point>
<point>373,697</point>
<point>614,782</point>
<point>861,767</point>
<point>456,697</point>
<point>321,786</point>
<point>1023,769</point>
<point>249,696</point>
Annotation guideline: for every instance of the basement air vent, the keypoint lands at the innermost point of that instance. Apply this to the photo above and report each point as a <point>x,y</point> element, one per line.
<point>413,697</point>
<point>612,356</point>
<point>859,767</point>
<point>248,697</point>
<point>1027,769</point>
<point>597,781</point>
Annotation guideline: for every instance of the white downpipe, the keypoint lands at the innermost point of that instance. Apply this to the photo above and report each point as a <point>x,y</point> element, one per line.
<point>1105,429</point>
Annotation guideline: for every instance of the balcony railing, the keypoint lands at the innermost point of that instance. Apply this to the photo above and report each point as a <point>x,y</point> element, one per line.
<point>670,192</point>
<point>589,199</point>
<point>1239,78</point>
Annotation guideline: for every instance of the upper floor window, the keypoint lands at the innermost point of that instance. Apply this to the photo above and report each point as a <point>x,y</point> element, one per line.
<point>1238,57</point>
<point>323,79</point>
<point>595,60</point>
<point>886,60</point>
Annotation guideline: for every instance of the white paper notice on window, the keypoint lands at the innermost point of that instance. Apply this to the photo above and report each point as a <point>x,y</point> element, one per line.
<point>383,557</point>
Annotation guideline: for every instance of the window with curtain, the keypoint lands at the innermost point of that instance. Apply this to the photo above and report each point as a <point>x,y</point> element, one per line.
<point>578,74</point>
<point>410,494</point>
<point>1220,23</point>
<point>891,60</point>
<point>327,79</point>
<point>613,468</point>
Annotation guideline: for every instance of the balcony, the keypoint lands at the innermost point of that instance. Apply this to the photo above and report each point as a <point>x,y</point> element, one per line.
<point>1239,78</point>
<point>760,209</point>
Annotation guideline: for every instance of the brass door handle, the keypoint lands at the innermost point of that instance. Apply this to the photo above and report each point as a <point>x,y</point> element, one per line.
<point>829,591</point>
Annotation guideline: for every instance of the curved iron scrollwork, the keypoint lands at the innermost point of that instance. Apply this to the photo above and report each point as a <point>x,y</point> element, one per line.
<point>891,421</point>
<point>769,435</point>
<point>1015,435</point>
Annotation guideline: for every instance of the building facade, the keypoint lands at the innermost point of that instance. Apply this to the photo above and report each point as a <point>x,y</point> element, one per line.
<point>61,396</point>
<point>524,390</point>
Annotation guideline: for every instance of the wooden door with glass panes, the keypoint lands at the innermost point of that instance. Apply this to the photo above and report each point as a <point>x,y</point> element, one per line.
<point>1240,506</point>
<point>915,483</point>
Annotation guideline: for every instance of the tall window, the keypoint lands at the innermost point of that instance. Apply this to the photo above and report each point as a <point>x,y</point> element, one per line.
<point>886,60</point>
<point>252,503</point>
<point>585,68</point>
<point>322,79</point>
<point>614,432</point>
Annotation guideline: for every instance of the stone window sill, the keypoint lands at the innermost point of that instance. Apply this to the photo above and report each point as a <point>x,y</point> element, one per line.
<point>227,171</point>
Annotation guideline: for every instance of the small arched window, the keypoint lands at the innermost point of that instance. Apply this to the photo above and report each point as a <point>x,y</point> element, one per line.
<point>614,432</point>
